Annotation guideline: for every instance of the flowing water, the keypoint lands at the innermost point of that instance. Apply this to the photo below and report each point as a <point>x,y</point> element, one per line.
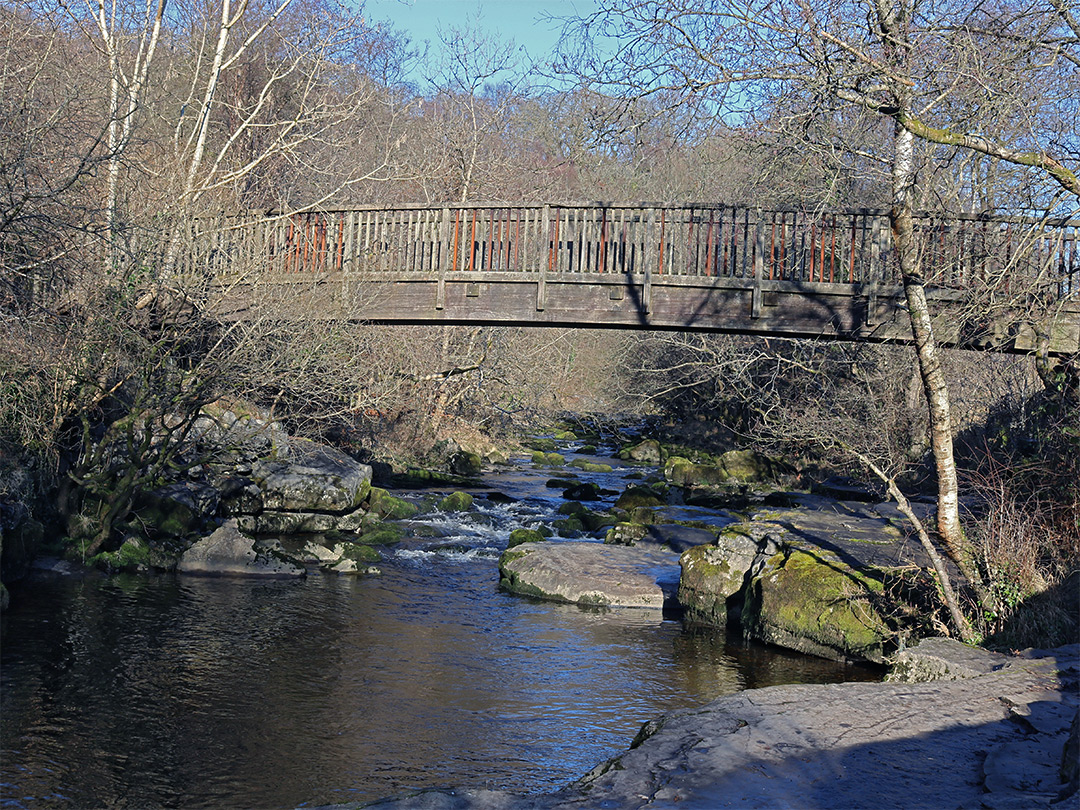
<point>166,691</point>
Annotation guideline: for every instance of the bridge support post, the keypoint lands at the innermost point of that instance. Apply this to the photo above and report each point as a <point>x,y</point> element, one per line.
<point>444,259</point>
<point>541,281</point>
<point>759,267</point>
<point>651,251</point>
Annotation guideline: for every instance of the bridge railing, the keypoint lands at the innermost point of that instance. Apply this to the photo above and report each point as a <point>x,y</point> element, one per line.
<point>684,240</point>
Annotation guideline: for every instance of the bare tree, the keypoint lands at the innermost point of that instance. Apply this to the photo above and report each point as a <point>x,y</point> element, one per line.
<point>919,77</point>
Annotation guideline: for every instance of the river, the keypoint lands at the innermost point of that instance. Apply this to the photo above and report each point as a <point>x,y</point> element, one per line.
<point>163,691</point>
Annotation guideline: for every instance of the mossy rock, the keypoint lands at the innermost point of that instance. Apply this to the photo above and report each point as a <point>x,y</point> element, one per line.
<point>562,482</point>
<point>382,534</point>
<point>542,459</point>
<point>385,505</point>
<point>541,445</point>
<point>568,527</point>
<point>566,435</point>
<point>456,502</point>
<point>573,508</point>
<point>646,451</point>
<point>815,604</point>
<point>589,466</point>
<point>583,491</point>
<point>587,450</point>
<point>594,521</point>
<point>626,534</point>
<point>519,536</point>
<point>465,463</point>
<point>708,578</point>
<point>635,496</point>
<point>357,552</point>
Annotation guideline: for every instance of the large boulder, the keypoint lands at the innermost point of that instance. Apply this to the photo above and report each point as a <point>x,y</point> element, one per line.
<point>814,603</point>
<point>734,466</point>
<point>591,574</point>
<point>811,577</point>
<point>228,551</point>
<point>314,479</point>
<point>711,574</point>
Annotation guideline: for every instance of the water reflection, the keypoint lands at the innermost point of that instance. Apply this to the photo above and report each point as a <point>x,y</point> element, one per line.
<point>198,693</point>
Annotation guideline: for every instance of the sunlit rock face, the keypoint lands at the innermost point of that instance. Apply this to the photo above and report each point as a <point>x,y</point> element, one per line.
<point>228,551</point>
<point>313,479</point>
<point>591,574</point>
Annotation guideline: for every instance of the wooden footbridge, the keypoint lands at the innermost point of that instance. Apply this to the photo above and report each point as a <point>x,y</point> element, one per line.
<point>686,267</point>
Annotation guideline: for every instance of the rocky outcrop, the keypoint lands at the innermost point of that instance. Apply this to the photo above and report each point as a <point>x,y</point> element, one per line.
<point>228,551</point>
<point>810,577</point>
<point>591,574</point>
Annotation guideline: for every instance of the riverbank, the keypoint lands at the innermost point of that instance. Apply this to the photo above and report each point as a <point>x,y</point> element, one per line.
<point>989,732</point>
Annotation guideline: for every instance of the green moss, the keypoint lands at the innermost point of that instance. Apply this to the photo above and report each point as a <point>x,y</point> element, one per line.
<point>383,534</point>
<point>456,502</point>
<point>360,553</point>
<point>541,445</point>
<point>519,536</point>
<point>588,466</point>
<point>541,459</point>
<point>385,505</point>
<point>802,595</point>
<point>635,496</point>
<point>573,508</point>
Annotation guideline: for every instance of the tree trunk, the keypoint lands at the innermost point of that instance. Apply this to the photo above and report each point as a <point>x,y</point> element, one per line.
<point>933,377</point>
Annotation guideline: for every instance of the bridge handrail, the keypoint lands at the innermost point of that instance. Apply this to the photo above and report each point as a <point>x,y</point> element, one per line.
<point>635,239</point>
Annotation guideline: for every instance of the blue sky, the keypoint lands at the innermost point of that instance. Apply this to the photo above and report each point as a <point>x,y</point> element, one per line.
<point>520,20</point>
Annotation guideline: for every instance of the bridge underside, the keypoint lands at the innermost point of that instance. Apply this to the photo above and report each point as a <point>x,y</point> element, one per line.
<point>860,312</point>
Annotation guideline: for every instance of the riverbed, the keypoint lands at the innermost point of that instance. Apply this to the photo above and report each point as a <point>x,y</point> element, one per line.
<point>168,691</point>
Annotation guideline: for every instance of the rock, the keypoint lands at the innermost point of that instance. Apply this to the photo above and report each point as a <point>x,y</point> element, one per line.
<point>456,502</point>
<point>541,459</point>
<point>591,574</point>
<point>684,473</point>
<point>846,489</point>
<point>935,745</point>
<point>587,491</point>
<point>814,603</point>
<point>382,534</point>
<point>240,496</point>
<point>228,551</point>
<point>314,479</point>
<point>645,452</point>
<point>626,534</point>
<point>635,497</point>
<point>589,466</point>
<point>519,536</point>
<point>178,509</point>
<point>943,659</point>
<point>713,573</point>
<point>465,463</point>
<point>385,505</point>
<point>357,552</point>
<point>275,522</point>
<point>733,466</point>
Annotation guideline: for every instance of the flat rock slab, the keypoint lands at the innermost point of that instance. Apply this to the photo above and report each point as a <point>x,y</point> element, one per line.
<point>592,573</point>
<point>953,744</point>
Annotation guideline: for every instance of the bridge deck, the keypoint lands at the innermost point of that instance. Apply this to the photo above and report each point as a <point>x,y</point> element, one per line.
<point>640,266</point>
